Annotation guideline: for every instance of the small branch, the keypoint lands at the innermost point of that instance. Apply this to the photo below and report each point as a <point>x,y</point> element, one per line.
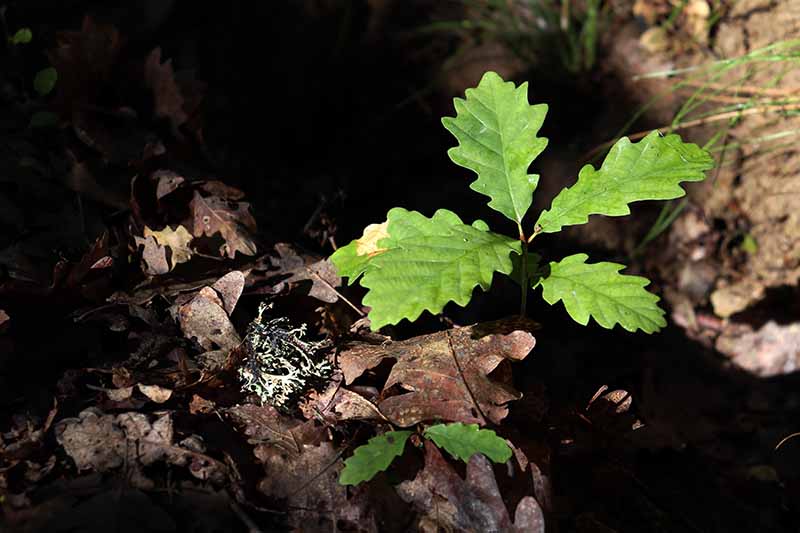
<point>251,526</point>
<point>463,377</point>
<point>523,303</point>
<point>339,294</point>
<point>536,231</point>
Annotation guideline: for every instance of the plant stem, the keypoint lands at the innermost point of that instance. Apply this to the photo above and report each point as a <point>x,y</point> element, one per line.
<point>524,281</point>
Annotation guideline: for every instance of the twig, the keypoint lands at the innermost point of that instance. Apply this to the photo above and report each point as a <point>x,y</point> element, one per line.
<point>252,527</point>
<point>463,377</point>
<point>786,438</point>
<point>339,294</point>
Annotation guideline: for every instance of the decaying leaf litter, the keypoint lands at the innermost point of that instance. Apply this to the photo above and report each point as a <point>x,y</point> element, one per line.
<point>176,275</point>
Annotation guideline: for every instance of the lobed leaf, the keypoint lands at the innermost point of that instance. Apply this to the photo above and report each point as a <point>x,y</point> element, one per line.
<point>600,291</point>
<point>373,457</point>
<point>463,441</point>
<point>424,263</point>
<point>651,169</point>
<point>496,129</point>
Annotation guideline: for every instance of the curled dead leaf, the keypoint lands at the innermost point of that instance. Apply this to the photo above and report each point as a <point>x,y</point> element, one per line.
<point>155,393</point>
<point>368,243</point>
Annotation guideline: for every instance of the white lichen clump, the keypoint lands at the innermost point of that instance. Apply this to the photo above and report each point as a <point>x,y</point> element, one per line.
<point>280,365</point>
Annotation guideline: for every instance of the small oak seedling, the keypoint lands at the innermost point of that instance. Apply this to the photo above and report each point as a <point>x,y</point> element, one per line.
<point>411,263</point>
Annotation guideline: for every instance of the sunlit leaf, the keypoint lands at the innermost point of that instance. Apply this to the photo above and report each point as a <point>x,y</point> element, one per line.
<point>651,169</point>
<point>424,263</point>
<point>600,291</point>
<point>496,129</point>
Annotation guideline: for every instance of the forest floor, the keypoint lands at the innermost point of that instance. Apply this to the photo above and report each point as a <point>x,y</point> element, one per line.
<point>186,164</point>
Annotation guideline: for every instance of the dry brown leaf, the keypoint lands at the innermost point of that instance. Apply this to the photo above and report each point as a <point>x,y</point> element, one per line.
<point>26,437</point>
<point>200,405</point>
<point>473,504</point>
<point>205,319</point>
<point>154,256</point>
<point>446,373</point>
<point>320,272</point>
<point>4,318</point>
<point>119,395</point>
<point>230,287</point>
<point>309,482</point>
<point>160,78</point>
<point>266,426</point>
<point>103,442</point>
<point>219,189</point>
<point>93,440</point>
<point>611,411</point>
<point>177,240</point>
<point>337,403</point>
<point>166,182</point>
<point>84,60</point>
<point>231,219</point>
<point>155,393</point>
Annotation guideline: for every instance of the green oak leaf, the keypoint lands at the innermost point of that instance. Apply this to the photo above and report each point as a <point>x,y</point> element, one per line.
<point>373,457</point>
<point>45,80</point>
<point>651,169</point>
<point>600,291</point>
<point>349,264</point>
<point>462,441</point>
<point>23,36</point>
<point>496,129</point>
<point>424,263</point>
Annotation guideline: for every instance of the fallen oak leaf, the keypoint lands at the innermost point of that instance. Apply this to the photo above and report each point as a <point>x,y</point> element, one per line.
<point>266,426</point>
<point>168,100</point>
<point>102,442</point>
<point>165,249</point>
<point>473,504</point>
<point>299,268</point>
<point>154,256</point>
<point>166,182</point>
<point>205,319</point>
<point>232,220</point>
<point>337,403</point>
<point>84,60</point>
<point>220,189</point>
<point>316,501</point>
<point>446,374</point>
<point>155,393</point>
<point>230,287</point>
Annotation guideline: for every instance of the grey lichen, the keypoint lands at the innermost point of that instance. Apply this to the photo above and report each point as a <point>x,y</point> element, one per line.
<point>281,365</point>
